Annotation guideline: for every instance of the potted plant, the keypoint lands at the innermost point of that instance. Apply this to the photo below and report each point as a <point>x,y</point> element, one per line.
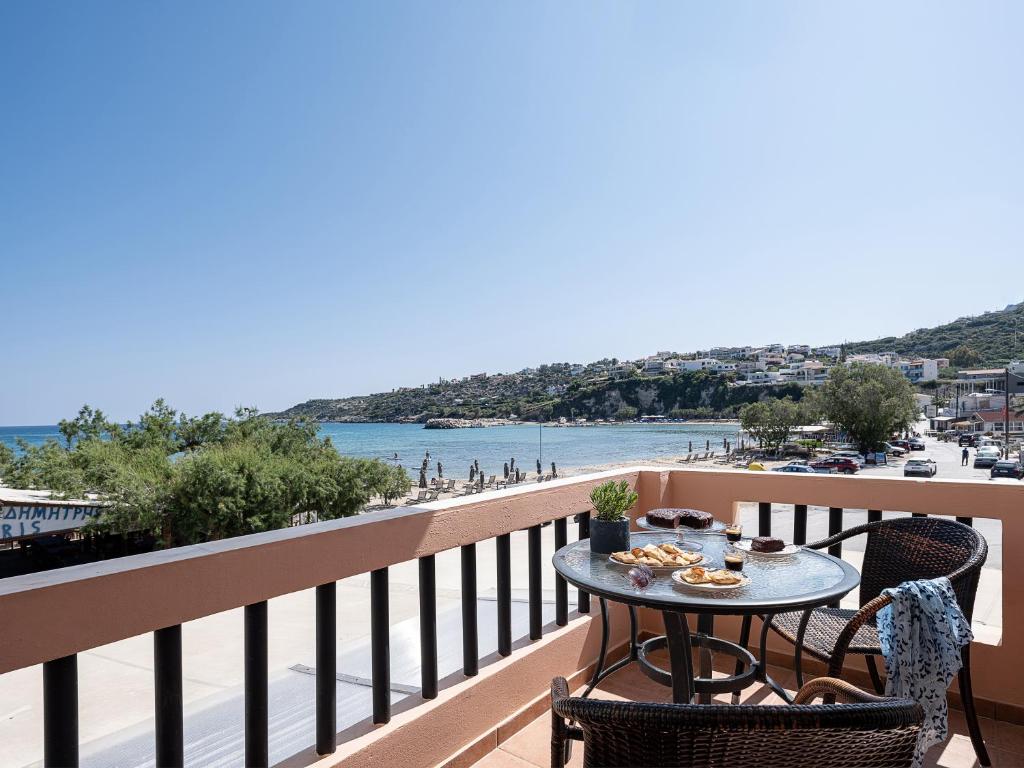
<point>609,529</point>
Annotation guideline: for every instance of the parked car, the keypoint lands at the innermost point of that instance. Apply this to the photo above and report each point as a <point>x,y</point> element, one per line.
<point>986,457</point>
<point>966,440</point>
<point>840,464</point>
<point>904,444</point>
<point>922,467</point>
<point>852,456</point>
<point>893,450</point>
<point>802,469</point>
<point>916,444</point>
<point>1007,468</point>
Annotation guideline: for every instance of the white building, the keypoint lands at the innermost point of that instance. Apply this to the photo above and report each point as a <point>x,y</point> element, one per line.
<point>809,372</point>
<point>917,370</point>
<point>576,369</point>
<point>700,364</point>
<point>762,377</point>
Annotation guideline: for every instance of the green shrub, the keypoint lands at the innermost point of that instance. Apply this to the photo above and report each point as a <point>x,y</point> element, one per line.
<point>611,500</point>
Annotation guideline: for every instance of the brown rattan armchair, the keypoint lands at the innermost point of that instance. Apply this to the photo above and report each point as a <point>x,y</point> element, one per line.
<point>871,732</point>
<point>898,550</point>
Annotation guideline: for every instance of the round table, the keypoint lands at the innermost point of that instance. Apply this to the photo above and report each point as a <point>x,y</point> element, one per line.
<point>799,582</point>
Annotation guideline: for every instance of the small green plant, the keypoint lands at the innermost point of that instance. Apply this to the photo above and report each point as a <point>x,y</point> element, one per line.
<point>611,500</point>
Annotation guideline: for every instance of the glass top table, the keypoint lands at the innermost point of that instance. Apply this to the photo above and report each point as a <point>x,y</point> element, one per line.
<point>777,584</point>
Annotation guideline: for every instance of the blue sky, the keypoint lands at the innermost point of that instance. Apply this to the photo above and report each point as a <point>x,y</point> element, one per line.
<point>258,203</point>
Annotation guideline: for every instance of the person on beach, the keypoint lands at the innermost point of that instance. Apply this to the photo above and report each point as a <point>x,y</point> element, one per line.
<point>440,471</point>
<point>554,472</point>
<point>964,456</point>
<point>538,467</point>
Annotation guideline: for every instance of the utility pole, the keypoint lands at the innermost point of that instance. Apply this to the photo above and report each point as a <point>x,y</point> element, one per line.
<point>1006,415</point>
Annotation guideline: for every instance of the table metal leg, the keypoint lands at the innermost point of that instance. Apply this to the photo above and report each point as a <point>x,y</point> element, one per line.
<point>744,640</point>
<point>600,671</point>
<point>705,629</point>
<point>677,634</point>
<point>762,661</point>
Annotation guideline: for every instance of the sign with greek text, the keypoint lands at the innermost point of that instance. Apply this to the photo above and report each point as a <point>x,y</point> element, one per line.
<point>20,521</point>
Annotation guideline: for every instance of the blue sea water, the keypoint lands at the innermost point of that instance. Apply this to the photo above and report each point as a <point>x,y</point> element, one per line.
<point>568,447</point>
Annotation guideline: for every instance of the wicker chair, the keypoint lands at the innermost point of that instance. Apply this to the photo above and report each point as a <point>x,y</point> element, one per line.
<point>871,733</point>
<point>899,550</point>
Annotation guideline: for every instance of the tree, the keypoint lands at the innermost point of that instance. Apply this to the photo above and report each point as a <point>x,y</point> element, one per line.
<point>963,356</point>
<point>770,422</point>
<point>869,402</point>
<point>189,480</point>
<point>626,413</point>
<point>389,482</point>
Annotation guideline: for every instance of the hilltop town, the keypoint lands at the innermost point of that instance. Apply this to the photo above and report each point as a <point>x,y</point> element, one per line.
<point>699,384</point>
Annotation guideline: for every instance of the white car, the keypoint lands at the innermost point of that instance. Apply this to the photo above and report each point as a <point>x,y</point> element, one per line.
<point>922,467</point>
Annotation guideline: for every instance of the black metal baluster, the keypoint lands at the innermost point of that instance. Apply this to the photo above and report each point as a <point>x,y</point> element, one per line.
<point>561,585</point>
<point>257,752</point>
<point>470,645</point>
<point>170,733</point>
<point>799,523</point>
<point>60,712</point>
<point>764,518</point>
<point>874,515</point>
<point>326,668</point>
<point>380,646</point>
<point>504,546</point>
<point>835,525</point>
<point>583,598</point>
<point>533,555</point>
<point>428,628</point>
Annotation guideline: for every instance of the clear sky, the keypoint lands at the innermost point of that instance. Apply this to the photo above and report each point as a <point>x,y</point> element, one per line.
<point>257,203</point>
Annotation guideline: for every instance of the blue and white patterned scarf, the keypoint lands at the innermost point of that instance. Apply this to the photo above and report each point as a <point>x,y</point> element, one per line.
<point>921,633</point>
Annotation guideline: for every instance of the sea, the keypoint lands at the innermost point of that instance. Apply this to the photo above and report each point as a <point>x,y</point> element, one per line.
<point>569,447</point>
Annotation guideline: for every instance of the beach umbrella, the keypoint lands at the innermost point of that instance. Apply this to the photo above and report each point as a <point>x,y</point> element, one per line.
<point>440,470</point>
<point>538,466</point>
<point>472,472</point>
<point>476,464</point>
<point>517,474</point>
<point>506,470</point>
<point>423,466</point>
<point>423,478</point>
<point>512,464</point>
<point>690,449</point>
<point>554,472</point>
<point>707,445</point>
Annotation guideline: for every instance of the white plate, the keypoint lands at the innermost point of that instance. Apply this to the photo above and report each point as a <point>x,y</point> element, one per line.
<point>789,549</point>
<point>677,577</point>
<point>674,566</point>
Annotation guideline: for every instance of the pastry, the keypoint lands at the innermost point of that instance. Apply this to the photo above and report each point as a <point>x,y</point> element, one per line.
<point>625,557</point>
<point>766,544</point>
<point>724,577</point>
<point>695,575</point>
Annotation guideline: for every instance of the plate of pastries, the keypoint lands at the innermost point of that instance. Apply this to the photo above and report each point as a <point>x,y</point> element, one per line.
<point>709,578</point>
<point>657,556</point>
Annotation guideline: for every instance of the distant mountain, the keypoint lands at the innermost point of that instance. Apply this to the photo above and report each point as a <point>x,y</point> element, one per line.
<point>992,336</point>
<point>561,389</point>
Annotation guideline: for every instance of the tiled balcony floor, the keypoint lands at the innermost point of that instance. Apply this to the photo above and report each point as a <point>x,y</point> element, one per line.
<point>530,747</point>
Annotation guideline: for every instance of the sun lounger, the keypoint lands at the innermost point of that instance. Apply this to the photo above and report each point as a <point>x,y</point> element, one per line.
<point>421,496</point>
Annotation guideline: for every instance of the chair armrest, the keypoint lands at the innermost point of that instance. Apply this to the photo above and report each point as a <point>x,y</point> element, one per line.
<point>842,536</point>
<point>866,613</point>
<point>840,689</point>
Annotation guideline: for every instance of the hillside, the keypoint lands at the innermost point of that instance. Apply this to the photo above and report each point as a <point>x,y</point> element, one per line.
<point>547,395</point>
<point>991,336</point>
<point>560,389</point>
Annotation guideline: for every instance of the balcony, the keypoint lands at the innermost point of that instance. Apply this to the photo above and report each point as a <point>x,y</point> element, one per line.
<point>418,636</point>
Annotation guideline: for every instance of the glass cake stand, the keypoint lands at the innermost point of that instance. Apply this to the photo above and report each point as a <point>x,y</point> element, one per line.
<point>687,536</point>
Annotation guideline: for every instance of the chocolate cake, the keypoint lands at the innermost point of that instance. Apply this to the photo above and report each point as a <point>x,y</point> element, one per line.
<point>695,518</point>
<point>664,518</point>
<point>673,518</point>
<point>766,544</point>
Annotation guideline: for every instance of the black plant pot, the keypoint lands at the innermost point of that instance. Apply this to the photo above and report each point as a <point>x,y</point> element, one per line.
<point>609,536</point>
